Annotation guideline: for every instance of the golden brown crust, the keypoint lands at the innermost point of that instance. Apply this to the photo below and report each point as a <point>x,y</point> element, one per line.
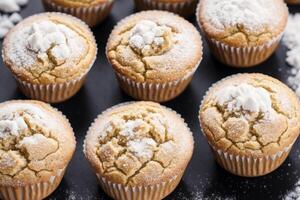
<point>239,36</point>
<point>40,149</point>
<point>177,57</point>
<point>250,133</point>
<point>156,148</point>
<point>49,71</point>
<point>79,3</point>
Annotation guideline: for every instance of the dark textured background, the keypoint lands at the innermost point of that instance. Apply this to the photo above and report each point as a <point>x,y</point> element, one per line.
<point>203,179</point>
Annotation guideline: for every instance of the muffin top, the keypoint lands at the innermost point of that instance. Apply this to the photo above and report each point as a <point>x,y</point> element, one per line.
<point>242,22</point>
<point>36,142</point>
<point>250,114</point>
<point>138,144</point>
<point>79,3</point>
<point>154,46</point>
<point>49,48</point>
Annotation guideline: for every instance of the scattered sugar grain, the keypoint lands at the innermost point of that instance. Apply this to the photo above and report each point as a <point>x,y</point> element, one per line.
<point>291,40</point>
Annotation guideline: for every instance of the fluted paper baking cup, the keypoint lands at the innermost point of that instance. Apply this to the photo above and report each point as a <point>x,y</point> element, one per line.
<point>184,8</point>
<point>51,93</point>
<point>250,166</point>
<point>122,192</point>
<point>92,15</point>
<point>158,92</point>
<point>34,191</point>
<point>242,56</point>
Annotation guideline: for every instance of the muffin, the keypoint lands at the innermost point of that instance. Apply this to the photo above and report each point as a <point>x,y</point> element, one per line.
<point>182,7</point>
<point>139,150</point>
<point>91,11</point>
<point>154,54</point>
<point>36,145</point>
<point>251,121</point>
<point>242,33</point>
<point>50,55</point>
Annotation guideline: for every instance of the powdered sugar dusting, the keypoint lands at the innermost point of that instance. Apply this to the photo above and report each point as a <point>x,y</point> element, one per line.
<point>12,118</point>
<point>7,21</point>
<point>291,40</point>
<point>143,148</point>
<point>147,36</point>
<point>252,15</point>
<point>294,194</point>
<point>244,97</point>
<point>47,42</point>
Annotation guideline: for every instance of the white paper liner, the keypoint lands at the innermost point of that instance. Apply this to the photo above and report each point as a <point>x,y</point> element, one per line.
<point>91,15</point>
<point>158,92</point>
<point>34,191</point>
<point>51,93</point>
<point>248,166</point>
<point>184,8</point>
<point>121,192</point>
<point>243,56</point>
<point>240,56</point>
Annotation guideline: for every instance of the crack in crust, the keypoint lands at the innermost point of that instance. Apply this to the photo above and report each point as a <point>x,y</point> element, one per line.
<point>248,132</point>
<point>132,58</point>
<point>35,142</point>
<point>16,155</point>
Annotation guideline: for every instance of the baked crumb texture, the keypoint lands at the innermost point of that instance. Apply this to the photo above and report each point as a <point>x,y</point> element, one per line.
<point>184,8</point>
<point>36,145</point>
<point>154,54</point>
<point>139,145</point>
<point>242,33</point>
<point>251,121</point>
<point>50,54</point>
<point>91,12</point>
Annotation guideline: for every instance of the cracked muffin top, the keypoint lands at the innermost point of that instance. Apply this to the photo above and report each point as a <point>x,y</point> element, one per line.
<point>139,144</point>
<point>49,48</point>
<point>242,22</point>
<point>154,46</point>
<point>250,114</point>
<point>36,141</point>
<point>79,3</point>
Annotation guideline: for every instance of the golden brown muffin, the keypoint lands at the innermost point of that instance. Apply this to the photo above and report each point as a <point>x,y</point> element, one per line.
<point>184,8</point>
<point>242,33</point>
<point>139,150</point>
<point>154,54</point>
<point>50,50</point>
<point>91,12</point>
<point>36,145</point>
<point>251,122</point>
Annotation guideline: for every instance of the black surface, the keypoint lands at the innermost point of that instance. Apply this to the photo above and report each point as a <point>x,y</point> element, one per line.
<point>203,179</point>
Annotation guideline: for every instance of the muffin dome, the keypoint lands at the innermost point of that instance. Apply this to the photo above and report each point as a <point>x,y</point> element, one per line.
<point>49,48</point>
<point>139,144</point>
<point>250,114</point>
<point>242,22</point>
<point>154,46</point>
<point>36,144</point>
